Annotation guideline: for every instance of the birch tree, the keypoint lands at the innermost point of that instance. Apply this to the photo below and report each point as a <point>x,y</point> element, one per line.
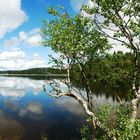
<point>82,40</point>
<point>119,20</point>
<point>79,43</point>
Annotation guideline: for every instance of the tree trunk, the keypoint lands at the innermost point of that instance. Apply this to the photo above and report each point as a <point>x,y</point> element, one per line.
<point>134,105</point>
<point>136,92</point>
<point>91,103</point>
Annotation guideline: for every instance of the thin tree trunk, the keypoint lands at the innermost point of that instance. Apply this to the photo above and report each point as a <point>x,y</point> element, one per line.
<point>134,105</point>
<point>136,92</point>
<point>87,87</point>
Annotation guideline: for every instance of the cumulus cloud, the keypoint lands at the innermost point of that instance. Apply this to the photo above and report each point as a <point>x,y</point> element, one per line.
<point>13,41</point>
<point>34,31</point>
<point>31,38</point>
<point>15,54</point>
<point>11,16</point>
<point>23,36</point>
<point>17,59</point>
<point>34,40</point>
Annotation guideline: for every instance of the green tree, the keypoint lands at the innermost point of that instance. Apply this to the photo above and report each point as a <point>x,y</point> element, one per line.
<point>82,43</point>
<point>119,20</point>
<point>79,43</point>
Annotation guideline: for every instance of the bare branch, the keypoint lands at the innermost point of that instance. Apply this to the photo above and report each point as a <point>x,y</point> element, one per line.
<point>107,35</point>
<point>84,104</point>
<point>110,29</point>
<point>82,101</point>
<point>79,92</point>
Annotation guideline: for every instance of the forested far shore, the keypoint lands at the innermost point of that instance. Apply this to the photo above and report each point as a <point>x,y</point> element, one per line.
<point>34,71</point>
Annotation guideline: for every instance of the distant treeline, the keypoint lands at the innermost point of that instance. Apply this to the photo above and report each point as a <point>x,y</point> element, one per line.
<point>46,71</point>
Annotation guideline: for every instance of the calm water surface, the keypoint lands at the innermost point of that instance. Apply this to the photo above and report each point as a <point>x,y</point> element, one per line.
<point>28,113</point>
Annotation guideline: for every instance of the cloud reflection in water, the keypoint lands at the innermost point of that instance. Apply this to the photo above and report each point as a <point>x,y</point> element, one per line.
<point>29,108</point>
<point>17,87</point>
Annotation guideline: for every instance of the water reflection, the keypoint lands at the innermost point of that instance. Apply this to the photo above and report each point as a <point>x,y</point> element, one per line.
<point>10,128</point>
<point>17,87</point>
<point>26,112</point>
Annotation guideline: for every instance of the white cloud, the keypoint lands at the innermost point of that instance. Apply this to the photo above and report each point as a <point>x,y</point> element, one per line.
<point>32,63</point>
<point>29,39</point>
<point>7,64</point>
<point>34,31</point>
<point>17,59</point>
<point>12,42</point>
<point>35,55</point>
<point>23,36</point>
<point>10,55</point>
<point>34,40</point>
<point>11,16</point>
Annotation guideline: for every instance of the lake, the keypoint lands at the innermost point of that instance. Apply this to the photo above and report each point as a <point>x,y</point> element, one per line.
<point>28,113</point>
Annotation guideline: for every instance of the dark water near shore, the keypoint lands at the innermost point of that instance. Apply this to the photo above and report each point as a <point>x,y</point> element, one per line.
<point>28,113</point>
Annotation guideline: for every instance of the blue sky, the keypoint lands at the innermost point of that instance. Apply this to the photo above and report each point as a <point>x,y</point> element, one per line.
<point>20,23</point>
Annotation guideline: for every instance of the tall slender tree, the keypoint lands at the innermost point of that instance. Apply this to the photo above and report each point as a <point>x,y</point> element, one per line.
<point>79,43</point>
<point>119,20</point>
<point>82,40</point>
